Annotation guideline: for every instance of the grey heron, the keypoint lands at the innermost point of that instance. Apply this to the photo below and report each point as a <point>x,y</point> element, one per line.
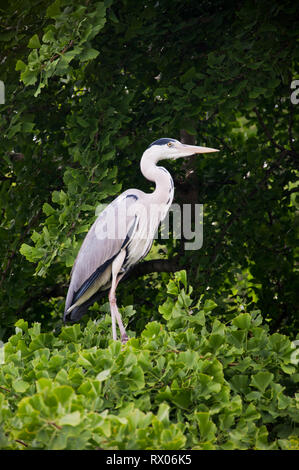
<point>123,234</point>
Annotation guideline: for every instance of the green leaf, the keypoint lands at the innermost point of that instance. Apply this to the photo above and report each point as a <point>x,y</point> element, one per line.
<point>20,386</point>
<point>63,394</point>
<point>163,413</point>
<point>172,287</point>
<point>31,254</point>
<point>34,42</point>
<point>209,305</point>
<point>43,384</point>
<point>20,65</point>
<point>71,333</point>
<point>261,380</point>
<point>256,92</point>
<point>29,77</point>
<point>181,276</point>
<point>70,419</point>
<point>88,54</point>
<point>47,209</point>
<point>166,308</point>
<point>103,375</point>
<point>242,321</point>
<point>240,383</point>
<point>206,427</point>
<point>22,325</point>
<point>49,35</point>
<point>53,10</point>
<point>237,338</point>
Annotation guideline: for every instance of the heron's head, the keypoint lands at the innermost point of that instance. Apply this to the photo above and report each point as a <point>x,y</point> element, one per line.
<point>171,149</point>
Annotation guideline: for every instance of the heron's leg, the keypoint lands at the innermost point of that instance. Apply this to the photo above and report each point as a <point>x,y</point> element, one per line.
<point>114,335</point>
<point>115,313</point>
<point>123,333</point>
<point>116,266</point>
<point>112,301</point>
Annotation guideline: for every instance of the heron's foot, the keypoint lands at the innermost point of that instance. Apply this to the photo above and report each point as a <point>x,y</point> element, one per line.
<point>124,338</point>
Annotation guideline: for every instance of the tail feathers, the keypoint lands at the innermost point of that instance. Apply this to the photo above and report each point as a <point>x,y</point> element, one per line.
<point>77,313</point>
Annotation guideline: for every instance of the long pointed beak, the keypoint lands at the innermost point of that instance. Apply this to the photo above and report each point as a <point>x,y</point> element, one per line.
<point>194,149</point>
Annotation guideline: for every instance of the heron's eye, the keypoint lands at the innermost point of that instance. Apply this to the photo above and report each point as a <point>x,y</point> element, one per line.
<point>169,144</point>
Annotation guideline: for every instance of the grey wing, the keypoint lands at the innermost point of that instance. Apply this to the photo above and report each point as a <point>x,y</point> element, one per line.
<point>107,236</point>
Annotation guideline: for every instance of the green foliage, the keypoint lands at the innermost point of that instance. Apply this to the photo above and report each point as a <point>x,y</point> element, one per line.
<point>73,29</point>
<point>189,381</point>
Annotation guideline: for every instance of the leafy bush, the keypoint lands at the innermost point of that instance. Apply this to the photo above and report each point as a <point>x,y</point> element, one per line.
<point>189,381</point>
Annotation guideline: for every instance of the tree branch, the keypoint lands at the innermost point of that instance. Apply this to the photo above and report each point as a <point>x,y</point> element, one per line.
<point>68,46</point>
<point>155,265</point>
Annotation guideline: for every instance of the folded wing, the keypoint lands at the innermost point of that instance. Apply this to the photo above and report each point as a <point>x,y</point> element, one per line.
<point>110,233</point>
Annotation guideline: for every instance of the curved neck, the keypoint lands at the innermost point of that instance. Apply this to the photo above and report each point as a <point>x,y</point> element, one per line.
<point>164,183</point>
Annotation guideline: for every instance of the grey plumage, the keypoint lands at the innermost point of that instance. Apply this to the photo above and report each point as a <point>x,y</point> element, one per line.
<point>95,253</point>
